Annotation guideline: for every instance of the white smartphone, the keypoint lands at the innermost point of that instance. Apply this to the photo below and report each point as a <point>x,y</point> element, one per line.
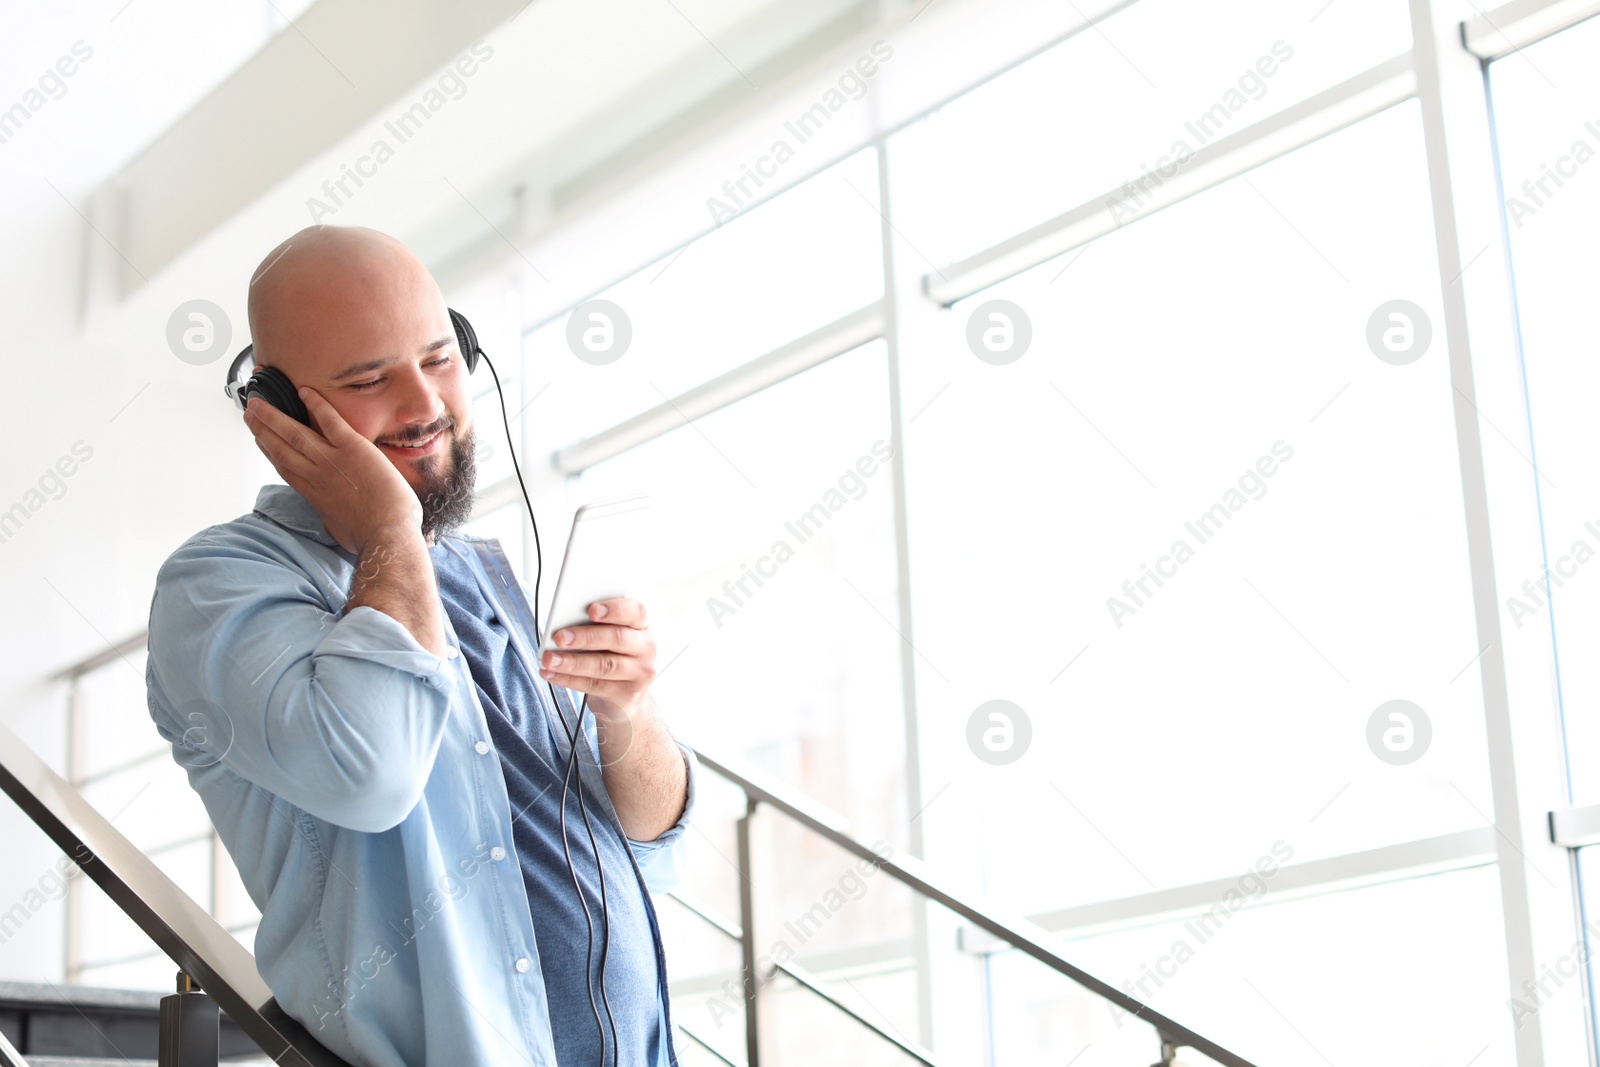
<point>605,550</point>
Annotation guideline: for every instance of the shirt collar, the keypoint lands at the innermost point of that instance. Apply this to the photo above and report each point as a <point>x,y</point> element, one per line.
<point>286,507</point>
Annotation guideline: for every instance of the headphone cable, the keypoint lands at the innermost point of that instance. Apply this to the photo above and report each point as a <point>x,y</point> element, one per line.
<point>566,847</point>
<point>605,914</point>
<point>573,734</point>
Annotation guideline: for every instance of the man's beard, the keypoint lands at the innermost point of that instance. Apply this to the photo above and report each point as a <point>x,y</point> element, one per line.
<point>447,499</point>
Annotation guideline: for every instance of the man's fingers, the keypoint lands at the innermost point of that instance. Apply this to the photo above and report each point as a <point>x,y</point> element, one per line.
<point>282,436</point>
<point>619,648</point>
<point>325,415</point>
<point>622,611</point>
<point>268,424</point>
<point>616,692</point>
<point>609,665</point>
<point>263,417</point>
<point>593,635</point>
<point>304,440</point>
<point>284,456</point>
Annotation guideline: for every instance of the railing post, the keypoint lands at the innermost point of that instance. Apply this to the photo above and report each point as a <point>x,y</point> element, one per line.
<point>188,1027</point>
<point>75,888</point>
<point>760,1006</point>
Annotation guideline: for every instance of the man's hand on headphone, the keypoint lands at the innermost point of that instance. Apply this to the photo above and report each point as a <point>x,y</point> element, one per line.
<point>355,488</point>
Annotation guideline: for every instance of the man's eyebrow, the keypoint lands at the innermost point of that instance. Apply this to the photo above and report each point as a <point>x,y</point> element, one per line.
<point>378,364</point>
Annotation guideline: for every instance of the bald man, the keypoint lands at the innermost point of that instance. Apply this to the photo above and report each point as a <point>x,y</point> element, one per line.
<point>355,689</point>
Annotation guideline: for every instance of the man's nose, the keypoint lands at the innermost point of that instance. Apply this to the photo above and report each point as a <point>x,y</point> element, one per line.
<point>417,401</point>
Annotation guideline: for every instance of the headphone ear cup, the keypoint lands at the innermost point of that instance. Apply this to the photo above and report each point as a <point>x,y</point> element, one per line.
<point>274,387</point>
<point>466,339</point>
<point>235,385</point>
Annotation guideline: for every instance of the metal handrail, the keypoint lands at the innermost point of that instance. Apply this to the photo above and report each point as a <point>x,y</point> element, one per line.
<point>9,1056</point>
<point>190,937</point>
<point>809,982</point>
<point>686,1032</point>
<point>1018,931</point>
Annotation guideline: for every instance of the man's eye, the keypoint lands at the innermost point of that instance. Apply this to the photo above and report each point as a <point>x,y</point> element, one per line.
<point>362,387</point>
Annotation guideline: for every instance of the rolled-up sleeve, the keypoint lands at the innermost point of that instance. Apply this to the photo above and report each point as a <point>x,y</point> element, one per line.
<point>339,715</point>
<point>661,859</point>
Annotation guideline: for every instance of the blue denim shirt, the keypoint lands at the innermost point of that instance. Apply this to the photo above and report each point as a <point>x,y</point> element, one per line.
<point>351,775</point>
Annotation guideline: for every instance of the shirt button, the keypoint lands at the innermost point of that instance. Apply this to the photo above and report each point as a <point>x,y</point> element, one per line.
<point>523,965</point>
<point>497,853</point>
<point>482,748</point>
<point>451,652</point>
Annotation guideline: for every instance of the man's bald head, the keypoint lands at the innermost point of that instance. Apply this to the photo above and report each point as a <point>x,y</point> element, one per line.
<point>351,313</point>
<point>323,288</point>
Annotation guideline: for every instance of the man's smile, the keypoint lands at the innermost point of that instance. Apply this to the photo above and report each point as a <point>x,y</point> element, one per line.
<point>421,448</point>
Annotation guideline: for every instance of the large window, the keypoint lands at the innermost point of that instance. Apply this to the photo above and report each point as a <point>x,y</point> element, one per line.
<point>1185,489</point>
<point>1077,481</point>
<point>1185,521</point>
<point>1183,502</point>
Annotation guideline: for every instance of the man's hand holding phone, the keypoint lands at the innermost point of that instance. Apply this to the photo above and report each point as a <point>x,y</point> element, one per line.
<point>354,487</point>
<point>613,659</point>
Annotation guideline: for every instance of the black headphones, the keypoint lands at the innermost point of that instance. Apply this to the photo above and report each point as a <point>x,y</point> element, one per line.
<point>275,388</point>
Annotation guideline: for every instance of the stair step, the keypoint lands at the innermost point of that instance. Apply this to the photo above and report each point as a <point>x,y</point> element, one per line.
<point>80,996</point>
<point>89,1026</point>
